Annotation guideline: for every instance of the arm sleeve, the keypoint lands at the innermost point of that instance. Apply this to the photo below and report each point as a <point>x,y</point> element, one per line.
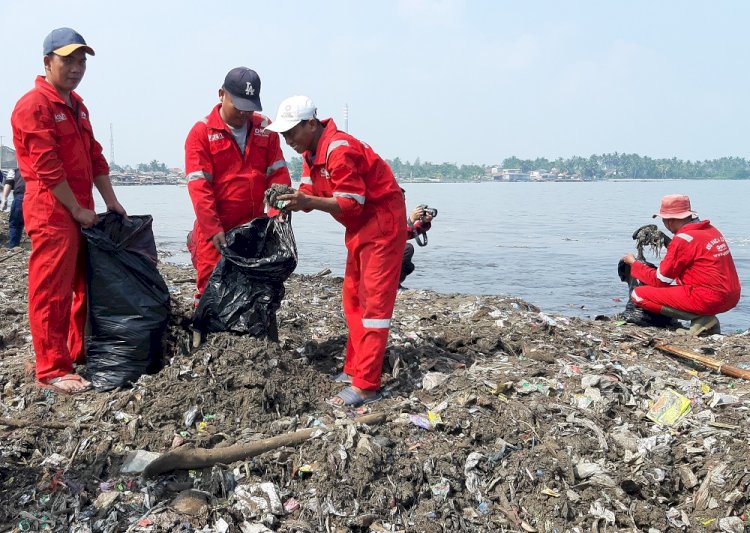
<point>679,254</point>
<point>277,170</point>
<point>669,270</point>
<point>199,170</point>
<point>306,185</point>
<point>34,129</point>
<point>99,163</point>
<point>416,228</point>
<point>347,182</point>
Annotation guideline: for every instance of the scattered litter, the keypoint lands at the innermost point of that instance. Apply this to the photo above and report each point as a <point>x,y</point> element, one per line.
<point>519,421</point>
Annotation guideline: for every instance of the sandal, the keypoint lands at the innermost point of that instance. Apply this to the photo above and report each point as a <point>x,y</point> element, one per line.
<point>343,377</point>
<point>53,384</point>
<point>351,398</point>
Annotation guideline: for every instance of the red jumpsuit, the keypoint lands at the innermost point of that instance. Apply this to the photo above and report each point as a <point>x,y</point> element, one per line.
<point>373,212</point>
<point>697,274</point>
<point>226,186</point>
<point>54,143</point>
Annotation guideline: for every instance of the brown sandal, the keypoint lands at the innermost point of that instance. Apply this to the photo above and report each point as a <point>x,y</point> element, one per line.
<point>53,384</point>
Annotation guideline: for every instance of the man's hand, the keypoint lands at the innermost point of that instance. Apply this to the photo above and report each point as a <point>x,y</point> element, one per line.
<point>3,204</point>
<point>219,241</point>
<point>295,201</point>
<point>85,217</point>
<point>116,207</point>
<point>416,214</point>
<point>628,259</point>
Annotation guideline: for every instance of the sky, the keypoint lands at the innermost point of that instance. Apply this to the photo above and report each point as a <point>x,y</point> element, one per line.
<point>457,81</point>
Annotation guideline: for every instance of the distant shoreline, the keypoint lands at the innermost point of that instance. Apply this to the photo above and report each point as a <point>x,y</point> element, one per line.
<point>437,182</point>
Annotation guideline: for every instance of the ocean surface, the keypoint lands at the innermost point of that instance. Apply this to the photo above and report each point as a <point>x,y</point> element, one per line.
<point>555,245</point>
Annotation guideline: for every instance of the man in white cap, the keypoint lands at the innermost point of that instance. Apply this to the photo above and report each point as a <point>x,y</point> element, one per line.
<point>696,279</point>
<point>60,160</point>
<point>346,178</point>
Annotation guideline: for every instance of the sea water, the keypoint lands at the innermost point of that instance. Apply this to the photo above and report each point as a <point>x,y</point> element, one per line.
<point>553,244</point>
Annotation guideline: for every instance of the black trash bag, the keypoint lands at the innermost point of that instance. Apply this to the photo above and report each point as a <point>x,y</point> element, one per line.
<point>636,315</point>
<point>128,301</point>
<point>246,287</point>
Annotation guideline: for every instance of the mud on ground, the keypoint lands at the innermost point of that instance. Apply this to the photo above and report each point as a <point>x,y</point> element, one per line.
<point>534,422</point>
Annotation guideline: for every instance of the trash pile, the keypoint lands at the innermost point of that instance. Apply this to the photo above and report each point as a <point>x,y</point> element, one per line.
<point>497,417</point>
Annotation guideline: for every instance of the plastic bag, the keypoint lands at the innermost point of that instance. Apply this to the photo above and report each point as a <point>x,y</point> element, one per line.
<point>636,315</point>
<point>246,287</point>
<point>128,301</point>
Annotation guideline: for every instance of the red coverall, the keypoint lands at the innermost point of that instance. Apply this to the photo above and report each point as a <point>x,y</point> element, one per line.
<point>55,143</point>
<point>225,185</point>
<point>697,274</point>
<point>373,213</point>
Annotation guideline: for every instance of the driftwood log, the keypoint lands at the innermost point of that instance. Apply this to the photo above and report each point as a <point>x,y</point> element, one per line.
<point>708,362</point>
<point>185,458</point>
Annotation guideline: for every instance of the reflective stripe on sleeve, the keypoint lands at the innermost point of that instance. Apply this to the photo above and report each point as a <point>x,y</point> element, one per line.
<point>685,236</point>
<point>360,199</point>
<point>276,166</point>
<point>377,323</point>
<point>662,277</point>
<point>306,180</point>
<point>200,175</point>
<point>334,145</point>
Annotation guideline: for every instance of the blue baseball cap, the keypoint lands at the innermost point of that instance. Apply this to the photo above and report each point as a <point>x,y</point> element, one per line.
<point>65,41</point>
<point>243,84</point>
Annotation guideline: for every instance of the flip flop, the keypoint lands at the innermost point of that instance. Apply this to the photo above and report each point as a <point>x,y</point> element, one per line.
<point>52,384</point>
<point>351,398</point>
<point>343,377</point>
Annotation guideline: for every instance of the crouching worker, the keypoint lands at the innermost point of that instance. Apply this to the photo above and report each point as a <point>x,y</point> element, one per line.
<point>696,279</point>
<point>346,178</point>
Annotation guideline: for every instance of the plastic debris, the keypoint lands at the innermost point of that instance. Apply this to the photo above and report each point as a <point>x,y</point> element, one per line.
<point>670,407</point>
<point>137,460</point>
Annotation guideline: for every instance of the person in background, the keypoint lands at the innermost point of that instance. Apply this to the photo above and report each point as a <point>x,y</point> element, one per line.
<point>230,161</point>
<point>14,183</point>
<point>417,225</point>
<point>61,162</point>
<point>696,279</point>
<point>346,178</point>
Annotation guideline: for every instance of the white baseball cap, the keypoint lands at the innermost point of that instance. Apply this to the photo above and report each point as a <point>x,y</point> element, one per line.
<point>292,111</point>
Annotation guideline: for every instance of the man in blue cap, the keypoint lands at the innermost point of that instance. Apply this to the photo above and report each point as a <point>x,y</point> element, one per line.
<point>61,162</point>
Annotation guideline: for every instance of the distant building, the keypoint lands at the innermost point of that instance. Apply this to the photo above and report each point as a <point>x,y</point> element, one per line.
<point>509,174</point>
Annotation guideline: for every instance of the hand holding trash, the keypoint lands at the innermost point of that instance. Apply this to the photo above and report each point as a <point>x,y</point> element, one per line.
<point>116,207</point>
<point>294,201</point>
<point>85,217</point>
<point>628,258</point>
<point>219,241</point>
<point>3,204</point>
<point>272,196</point>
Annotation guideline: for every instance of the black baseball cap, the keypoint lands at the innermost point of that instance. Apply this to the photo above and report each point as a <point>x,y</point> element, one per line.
<point>244,86</point>
<point>65,41</point>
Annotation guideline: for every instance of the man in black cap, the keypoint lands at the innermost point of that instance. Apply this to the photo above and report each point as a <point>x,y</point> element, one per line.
<point>61,161</point>
<point>230,161</point>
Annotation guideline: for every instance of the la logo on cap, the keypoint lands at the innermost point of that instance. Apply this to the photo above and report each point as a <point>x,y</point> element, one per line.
<point>249,89</point>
